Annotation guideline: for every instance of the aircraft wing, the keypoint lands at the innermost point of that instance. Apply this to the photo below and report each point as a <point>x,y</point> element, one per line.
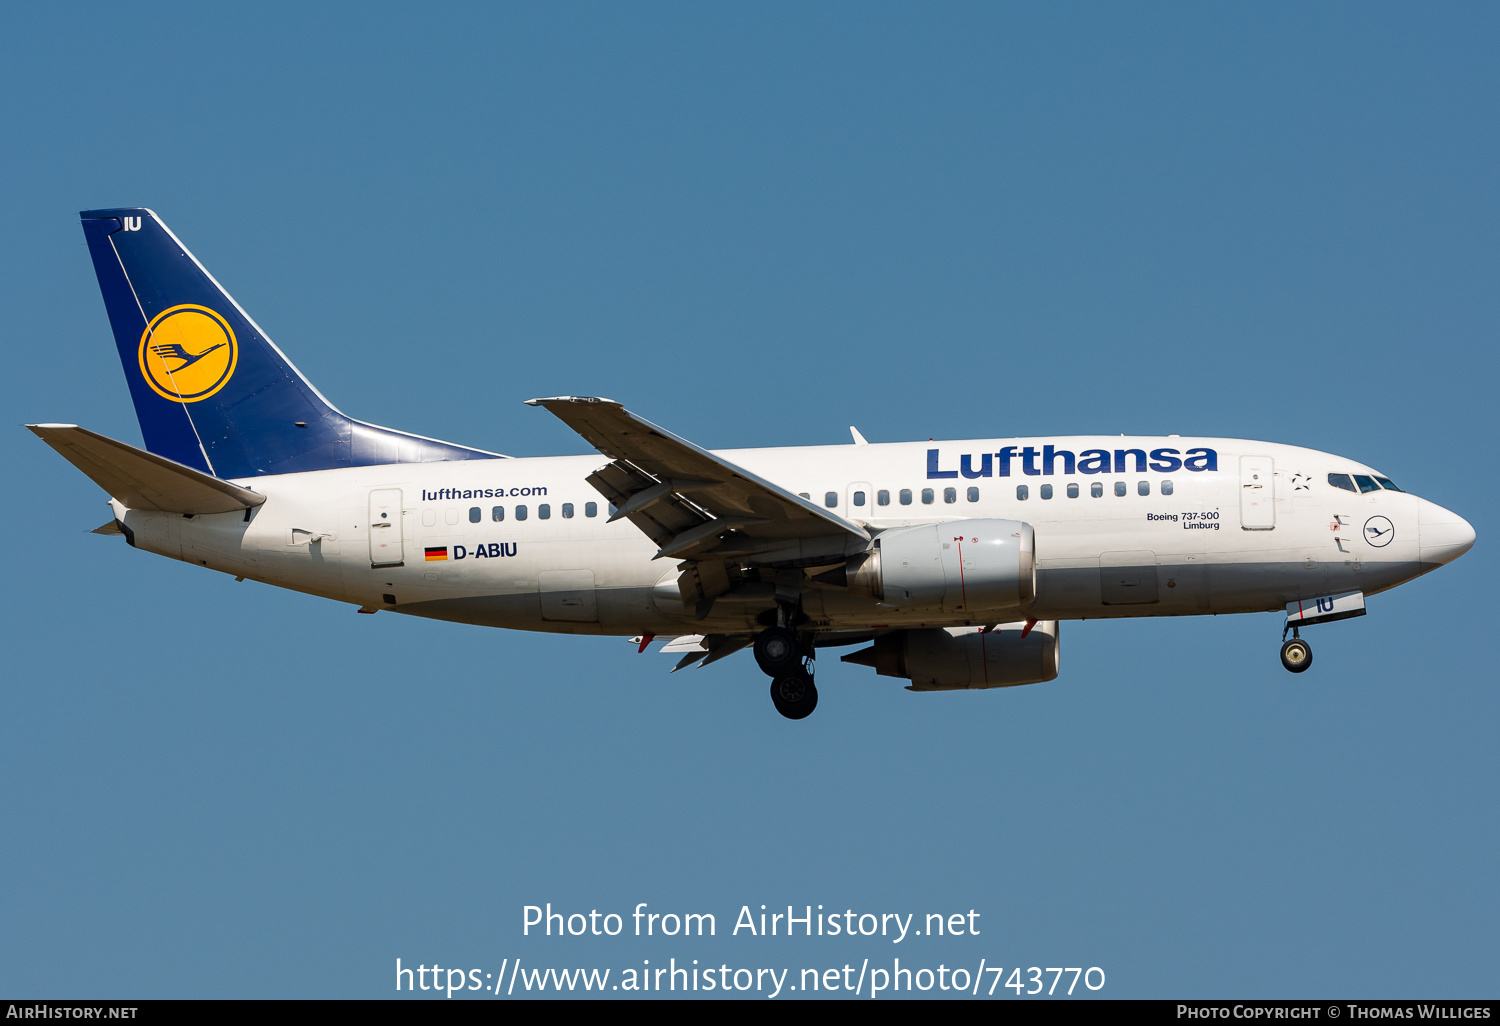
<point>695,505</point>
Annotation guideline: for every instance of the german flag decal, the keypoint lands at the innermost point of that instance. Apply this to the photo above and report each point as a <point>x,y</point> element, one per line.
<point>435,553</point>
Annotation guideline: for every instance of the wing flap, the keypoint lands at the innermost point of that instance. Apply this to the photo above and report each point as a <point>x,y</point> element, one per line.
<point>661,519</point>
<point>143,480</point>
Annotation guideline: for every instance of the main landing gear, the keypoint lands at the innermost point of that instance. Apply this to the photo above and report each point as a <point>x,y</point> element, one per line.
<point>794,695</point>
<point>1296,655</point>
<point>780,657</point>
<point>777,651</point>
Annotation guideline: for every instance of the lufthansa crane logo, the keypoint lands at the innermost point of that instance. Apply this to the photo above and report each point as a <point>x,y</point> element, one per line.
<point>1379,531</point>
<point>188,353</point>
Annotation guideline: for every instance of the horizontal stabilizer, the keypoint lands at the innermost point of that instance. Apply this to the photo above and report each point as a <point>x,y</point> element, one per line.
<point>143,480</point>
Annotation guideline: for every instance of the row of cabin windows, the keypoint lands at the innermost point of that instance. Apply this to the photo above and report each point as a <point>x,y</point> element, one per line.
<point>543,512</point>
<point>1023,492</point>
<point>1096,490</point>
<point>883,497</point>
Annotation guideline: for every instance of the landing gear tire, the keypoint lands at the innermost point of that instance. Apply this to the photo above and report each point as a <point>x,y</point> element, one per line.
<point>777,651</point>
<point>794,695</point>
<point>1296,655</point>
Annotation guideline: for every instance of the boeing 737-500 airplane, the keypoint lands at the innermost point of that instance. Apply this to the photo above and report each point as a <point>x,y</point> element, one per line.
<point>951,562</point>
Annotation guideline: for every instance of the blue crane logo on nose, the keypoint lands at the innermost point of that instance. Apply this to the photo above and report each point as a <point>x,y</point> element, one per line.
<point>1379,531</point>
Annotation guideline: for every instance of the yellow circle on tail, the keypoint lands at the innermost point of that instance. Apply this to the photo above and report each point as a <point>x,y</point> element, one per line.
<point>188,353</point>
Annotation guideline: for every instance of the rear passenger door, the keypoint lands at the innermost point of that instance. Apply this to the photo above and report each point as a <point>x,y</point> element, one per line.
<point>385,528</point>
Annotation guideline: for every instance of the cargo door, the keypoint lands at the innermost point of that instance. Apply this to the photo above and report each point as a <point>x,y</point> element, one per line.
<point>1257,493</point>
<point>385,528</point>
<point>568,596</point>
<point>1128,578</point>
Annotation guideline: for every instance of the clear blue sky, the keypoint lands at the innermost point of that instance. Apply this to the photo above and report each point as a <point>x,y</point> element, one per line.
<point>756,225</point>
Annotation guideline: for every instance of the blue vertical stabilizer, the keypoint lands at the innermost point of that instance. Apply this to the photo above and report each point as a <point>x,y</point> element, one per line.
<point>210,389</point>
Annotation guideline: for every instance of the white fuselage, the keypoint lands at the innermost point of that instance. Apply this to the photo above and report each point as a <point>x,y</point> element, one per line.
<point>1253,528</point>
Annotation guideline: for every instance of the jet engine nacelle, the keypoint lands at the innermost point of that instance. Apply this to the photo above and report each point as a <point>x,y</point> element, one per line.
<point>962,566</point>
<point>956,658</point>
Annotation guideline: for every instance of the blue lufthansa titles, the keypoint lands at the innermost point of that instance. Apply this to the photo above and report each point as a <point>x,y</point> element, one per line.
<point>1089,461</point>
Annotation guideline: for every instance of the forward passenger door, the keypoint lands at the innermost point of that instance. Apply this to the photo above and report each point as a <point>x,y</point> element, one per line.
<point>1257,493</point>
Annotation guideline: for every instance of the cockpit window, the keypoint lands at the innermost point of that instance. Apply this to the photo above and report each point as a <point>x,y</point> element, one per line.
<point>1387,484</point>
<point>1366,484</point>
<point>1341,481</point>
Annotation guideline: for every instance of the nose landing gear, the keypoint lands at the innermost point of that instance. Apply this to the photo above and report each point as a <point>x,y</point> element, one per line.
<point>1296,654</point>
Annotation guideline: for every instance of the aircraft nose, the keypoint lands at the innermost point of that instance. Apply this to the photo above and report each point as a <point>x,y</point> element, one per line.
<point>1442,535</point>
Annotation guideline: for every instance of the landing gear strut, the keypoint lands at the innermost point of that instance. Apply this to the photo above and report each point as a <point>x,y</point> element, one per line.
<point>1296,655</point>
<point>780,656</point>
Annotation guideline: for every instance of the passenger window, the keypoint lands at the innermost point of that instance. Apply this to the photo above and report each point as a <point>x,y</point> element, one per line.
<point>429,517</point>
<point>905,496</point>
<point>474,514</point>
<point>591,509</point>
<point>950,494</point>
<point>1166,487</point>
<point>859,498</point>
<point>1119,487</point>
<point>830,499</point>
<point>1022,492</point>
<point>520,512</point>
<point>1342,481</point>
<point>805,495</point>
<point>1073,491</point>
<point>567,511</point>
<point>1143,488</point>
<point>1385,483</point>
<point>927,496</point>
<point>544,511</point>
<point>497,514</point>
<point>1046,491</point>
<point>1096,489</point>
<point>450,516</point>
<point>973,494</point>
<point>883,497</point>
<point>1366,484</point>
